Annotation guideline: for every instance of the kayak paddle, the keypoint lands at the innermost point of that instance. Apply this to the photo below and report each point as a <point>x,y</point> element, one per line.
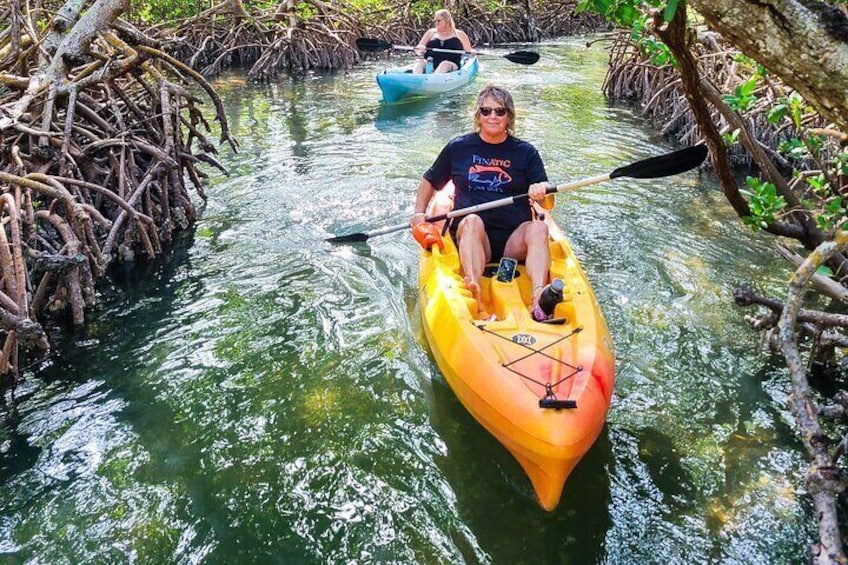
<point>661,166</point>
<point>374,45</point>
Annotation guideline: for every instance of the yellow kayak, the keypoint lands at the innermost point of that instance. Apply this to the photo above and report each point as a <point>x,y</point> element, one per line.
<point>542,389</point>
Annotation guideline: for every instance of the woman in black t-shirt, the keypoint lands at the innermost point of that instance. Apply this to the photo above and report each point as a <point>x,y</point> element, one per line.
<point>488,165</point>
<point>443,36</point>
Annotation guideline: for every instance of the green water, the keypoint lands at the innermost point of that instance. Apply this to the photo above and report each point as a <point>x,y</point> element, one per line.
<point>263,397</point>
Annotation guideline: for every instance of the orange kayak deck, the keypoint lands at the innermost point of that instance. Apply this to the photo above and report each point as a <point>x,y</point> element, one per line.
<point>501,369</point>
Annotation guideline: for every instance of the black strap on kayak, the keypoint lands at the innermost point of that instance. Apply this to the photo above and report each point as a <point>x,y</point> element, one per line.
<point>550,400</point>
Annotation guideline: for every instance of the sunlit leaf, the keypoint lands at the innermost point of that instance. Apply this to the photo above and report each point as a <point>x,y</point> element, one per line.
<point>825,271</point>
<point>670,10</point>
<point>777,113</point>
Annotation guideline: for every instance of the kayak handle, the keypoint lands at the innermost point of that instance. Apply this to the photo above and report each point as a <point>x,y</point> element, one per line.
<point>556,404</point>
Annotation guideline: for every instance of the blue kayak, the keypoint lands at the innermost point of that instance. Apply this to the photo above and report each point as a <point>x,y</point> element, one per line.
<point>400,84</point>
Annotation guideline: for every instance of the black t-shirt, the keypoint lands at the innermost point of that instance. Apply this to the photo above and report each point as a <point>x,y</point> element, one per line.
<point>483,172</point>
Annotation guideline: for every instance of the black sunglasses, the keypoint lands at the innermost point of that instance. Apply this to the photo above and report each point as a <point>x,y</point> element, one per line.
<point>499,112</point>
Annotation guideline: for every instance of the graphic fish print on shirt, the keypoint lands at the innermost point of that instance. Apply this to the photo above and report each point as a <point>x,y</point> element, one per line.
<point>488,174</point>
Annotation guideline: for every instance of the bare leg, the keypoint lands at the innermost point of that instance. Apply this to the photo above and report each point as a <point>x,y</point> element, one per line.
<point>419,66</point>
<point>474,251</point>
<point>446,67</point>
<point>441,203</point>
<point>538,260</point>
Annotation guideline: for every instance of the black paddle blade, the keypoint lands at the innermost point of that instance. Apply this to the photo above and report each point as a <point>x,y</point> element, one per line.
<point>522,57</point>
<point>664,165</point>
<point>350,238</point>
<point>372,44</point>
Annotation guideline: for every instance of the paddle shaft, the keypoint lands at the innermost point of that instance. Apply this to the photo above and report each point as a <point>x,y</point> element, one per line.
<point>410,48</point>
<point>569,186</point>
<point>520,57</point>
<point>471,210</point>
<point>654,167</point>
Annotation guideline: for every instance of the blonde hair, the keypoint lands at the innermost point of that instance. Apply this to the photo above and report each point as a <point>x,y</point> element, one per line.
<point>445,15</point>
<point>498,94</point>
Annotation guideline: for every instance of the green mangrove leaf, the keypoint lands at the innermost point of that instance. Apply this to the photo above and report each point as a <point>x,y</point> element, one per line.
<point>824,271</point>
<point>670,10</point>
<point>777,113</point>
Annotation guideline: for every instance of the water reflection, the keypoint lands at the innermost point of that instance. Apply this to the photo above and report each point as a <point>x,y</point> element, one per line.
<point>497,500</point>
<point>264,396</point>
<point>393,116</point>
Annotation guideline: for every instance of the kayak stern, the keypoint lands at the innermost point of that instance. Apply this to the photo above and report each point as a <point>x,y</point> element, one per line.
<point>401,84</point>
<point>501,363</point>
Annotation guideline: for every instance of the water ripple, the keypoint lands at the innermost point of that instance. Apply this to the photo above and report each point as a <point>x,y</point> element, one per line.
<point>262,395</point>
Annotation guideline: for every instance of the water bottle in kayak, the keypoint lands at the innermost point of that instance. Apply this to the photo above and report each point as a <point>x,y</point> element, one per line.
<point>429,68</point>
<point>550,297</point>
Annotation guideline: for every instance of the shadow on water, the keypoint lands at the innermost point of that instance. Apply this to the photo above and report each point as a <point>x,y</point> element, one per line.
<point>86,381</point>
<point>141,295</point>
<point>398,116</point>
<point>496,500</point>
<point>656,451</point>
<point>133,281</point>
<point>131,292</point>
<point>18,454</point>
<point>402,111</point>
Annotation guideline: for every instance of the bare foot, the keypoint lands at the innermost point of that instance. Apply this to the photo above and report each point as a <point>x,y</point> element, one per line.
<point>474,288</point>
<point>534,300</point>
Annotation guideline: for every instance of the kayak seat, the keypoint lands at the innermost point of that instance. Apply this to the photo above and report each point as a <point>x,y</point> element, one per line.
<point>565,310</point>
<point>504,297</point>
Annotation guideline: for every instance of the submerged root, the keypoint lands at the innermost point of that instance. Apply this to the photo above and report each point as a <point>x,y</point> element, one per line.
<point>96,143</point>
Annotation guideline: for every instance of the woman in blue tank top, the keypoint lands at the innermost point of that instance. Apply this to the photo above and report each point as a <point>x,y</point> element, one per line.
<point>443,36</point>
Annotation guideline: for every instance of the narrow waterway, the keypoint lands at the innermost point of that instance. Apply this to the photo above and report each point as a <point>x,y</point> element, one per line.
<point>262,396</point>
